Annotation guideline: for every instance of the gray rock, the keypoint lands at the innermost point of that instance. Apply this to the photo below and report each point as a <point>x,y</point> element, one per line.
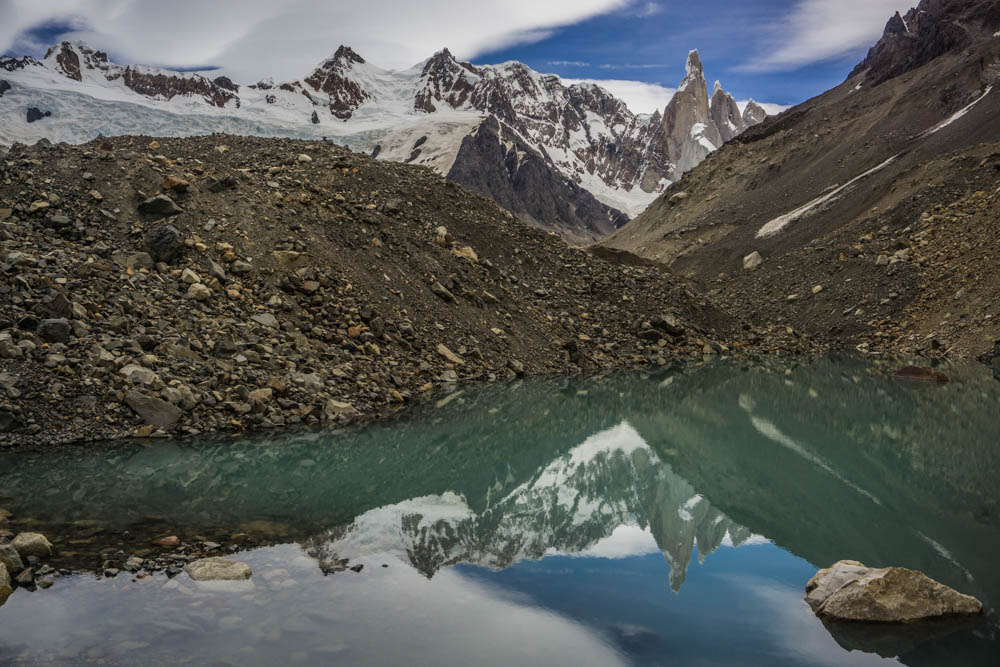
<point>11,559</point>
<point>32,544</point>
<point>240,267</point>
<point>752,261</point>
<point>266,319</point>
<point>55,331</point>
<point>137,374</point>
<point>160,205</point>
<point>850,591</point>
<point>5,586</point>
<point>216,271</point>
<point>441,291</point>
<point>199,292</point>
<point>139,260</point>
<point>335,408</point>
<point>155,411</point>
<point>164,244</point>
<point>218,569</point>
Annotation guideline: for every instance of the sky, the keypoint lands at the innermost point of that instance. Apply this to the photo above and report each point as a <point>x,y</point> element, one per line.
<point>776,51</point>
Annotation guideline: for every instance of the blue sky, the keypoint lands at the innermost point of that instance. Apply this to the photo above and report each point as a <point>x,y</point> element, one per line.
<point>656,46</point>
<point>778,51</point>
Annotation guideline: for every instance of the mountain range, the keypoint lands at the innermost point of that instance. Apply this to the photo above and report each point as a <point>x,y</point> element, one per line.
<point>866,215</point>
<point>572,159</point>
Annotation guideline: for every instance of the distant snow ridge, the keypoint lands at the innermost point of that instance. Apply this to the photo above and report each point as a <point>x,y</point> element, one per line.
<point>608,497</point>
<point>419,115</point>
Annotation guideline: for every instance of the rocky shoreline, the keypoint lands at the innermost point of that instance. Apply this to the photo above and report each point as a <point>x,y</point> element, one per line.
<point>219,284</point>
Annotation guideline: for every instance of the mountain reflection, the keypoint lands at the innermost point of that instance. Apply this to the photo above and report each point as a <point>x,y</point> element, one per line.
<point>612,479</point>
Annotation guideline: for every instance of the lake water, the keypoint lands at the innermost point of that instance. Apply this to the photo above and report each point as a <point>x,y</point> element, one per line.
<point>670,518</point>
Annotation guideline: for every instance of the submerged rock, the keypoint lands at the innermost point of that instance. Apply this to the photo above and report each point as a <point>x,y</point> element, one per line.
<point>10,559</point>
<point>851,591</point>
<point>217,569</point>
<point>32,544</point>
<point>917,375</point>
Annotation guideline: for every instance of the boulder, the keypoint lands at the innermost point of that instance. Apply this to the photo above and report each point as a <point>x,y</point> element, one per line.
<point>10,558</point>
<point>164,244</point>
<point>175,183</point>
<point>160,205</point>
<point>443,350</point>
<point>335,408</point>
<point>5,586</point>
<point>851,591</point>
<point>55,331</point>
<point>155,411</point>
<point>752,261</point>
<point>199,292</point>
<point>217,569</point>
<point>32,544</point>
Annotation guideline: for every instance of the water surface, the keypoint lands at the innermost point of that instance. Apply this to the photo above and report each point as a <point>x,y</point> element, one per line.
<point>644,519</point>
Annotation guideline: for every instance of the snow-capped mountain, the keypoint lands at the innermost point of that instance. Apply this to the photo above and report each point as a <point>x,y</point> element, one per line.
<point>609,495</point>
<point>571,158</point>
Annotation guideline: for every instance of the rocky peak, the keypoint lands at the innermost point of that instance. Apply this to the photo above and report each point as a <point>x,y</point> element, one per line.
<point>345,54</point>
<point>334,77</point>
<point>72,58</point>
<point>445,79</point>
<point>725,113</point>
<point>688,117</point>
<point>753,114</point>
<point>896,26</point>
<point>931,29</point>
<point>694,75</point>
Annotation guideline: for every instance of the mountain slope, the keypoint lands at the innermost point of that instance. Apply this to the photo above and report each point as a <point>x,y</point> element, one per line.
<point>592,160</point>
<point>852,197</point>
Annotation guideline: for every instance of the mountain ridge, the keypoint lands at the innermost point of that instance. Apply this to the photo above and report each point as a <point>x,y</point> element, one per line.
<point>588,138</point>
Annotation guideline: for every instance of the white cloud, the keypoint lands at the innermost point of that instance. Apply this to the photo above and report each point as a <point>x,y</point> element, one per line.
<point>818,30</point>
<point>568,63</point>
<point>639,96</point>
<point>250,39</point>
<point>648,9</point>
<point>771,108</point>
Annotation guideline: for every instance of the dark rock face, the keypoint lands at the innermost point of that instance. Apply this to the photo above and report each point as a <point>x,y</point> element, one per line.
<point>315,118</point>
<point>72,59</point>
<point>166,86</point>
<point>931,29</point>
<point>226,83</point>
<point>494,162</point>
<point>4,87</point>
<point>35,114</point>
<point>68,60</point>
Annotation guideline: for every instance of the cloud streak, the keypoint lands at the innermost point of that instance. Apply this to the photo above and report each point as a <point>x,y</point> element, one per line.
<point>250,39</point>
<point>819,30</point>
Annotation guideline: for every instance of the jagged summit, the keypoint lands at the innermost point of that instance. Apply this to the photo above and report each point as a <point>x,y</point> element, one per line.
<point>578,139</point>
<point>347,54</point>
<point>929,30</point>
<point>693,64</point>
